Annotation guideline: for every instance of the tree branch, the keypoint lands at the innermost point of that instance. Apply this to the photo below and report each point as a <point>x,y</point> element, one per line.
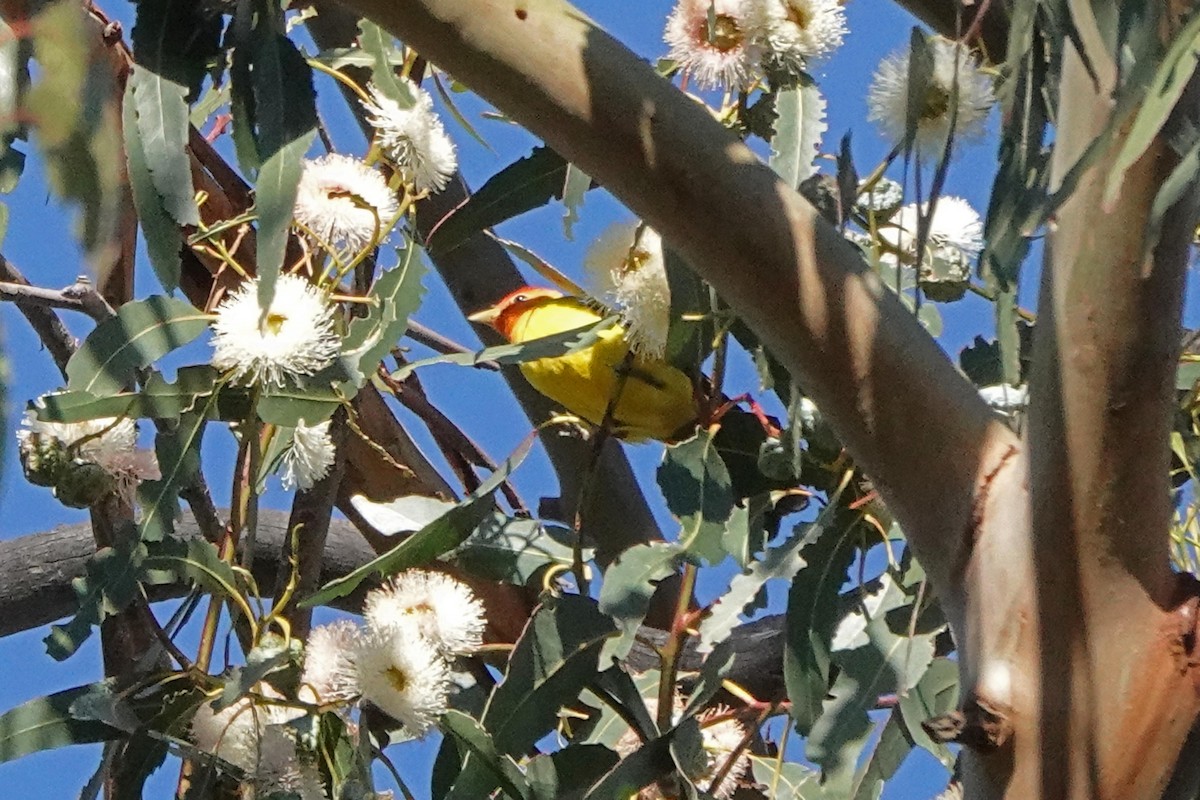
<point>45,323</point>
<point>803,289</point>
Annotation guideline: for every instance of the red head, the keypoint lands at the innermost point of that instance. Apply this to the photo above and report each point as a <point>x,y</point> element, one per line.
<point>504,315</point>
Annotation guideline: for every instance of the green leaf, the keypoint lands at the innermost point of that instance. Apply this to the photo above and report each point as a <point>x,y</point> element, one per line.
<point>285,123</point>
<point>935,694</point>
<point>142,332</point>
<point>398,293</point>
<point>108,585</point>
<point>381,47</point>
<point>715,669</point>
<point>291,405</point>
<point>782,562</point>
<point>546,347</point>
<point>512,550</point>
<point>162,125</point>
<point>164,239</point>
<point>629,583</point>
<point>176,39</point>
<point>1174,72</point>
<point>786,780</point>
<point>194,560</point>
<point>566,774</point>
<point>158,400</point>
<point>46,723</point>
<point>555,658</point>
<point>74,107</point>
<point>884,759</point>
<point>697,488</point>
<point>575,188</point>
<point>647,764</point>
<point>811,619</point>
<point>178,451</point>
<point>524,185</point>
<point>884,663</point>
<point>798,127</point>
<point>476,742</point>
<point>435,539</point>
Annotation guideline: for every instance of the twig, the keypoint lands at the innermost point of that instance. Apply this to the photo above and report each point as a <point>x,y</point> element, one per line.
<point>440,344</point>
<point>44,321</point>
<point>670,653</point>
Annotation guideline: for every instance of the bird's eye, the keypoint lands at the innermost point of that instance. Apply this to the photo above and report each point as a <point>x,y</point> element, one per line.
<point>521,298</point>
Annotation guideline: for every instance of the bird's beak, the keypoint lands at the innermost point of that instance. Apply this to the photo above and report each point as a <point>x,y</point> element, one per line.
<point>486,317</point>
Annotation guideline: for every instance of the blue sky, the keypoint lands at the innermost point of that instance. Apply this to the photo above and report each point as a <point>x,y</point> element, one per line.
<point>38,242</point>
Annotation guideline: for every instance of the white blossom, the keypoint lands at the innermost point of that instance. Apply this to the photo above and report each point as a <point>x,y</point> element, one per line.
<point>108,442</point>
<point>958,91</point>
<point>329,662</point>
<point>404,674</point>
<point>729,55</point>
<point>344,202</point>
<point>281,769</point>
<point>431,604</point>
<point>720,740</point>
<point>1005,398</point>
<point>800,31</point>
<point>628,268</point>
<point>295,337</point>
<point>955,227</point>
<point>413,139</point>
<point>236,732</point>
<point>310,457</point>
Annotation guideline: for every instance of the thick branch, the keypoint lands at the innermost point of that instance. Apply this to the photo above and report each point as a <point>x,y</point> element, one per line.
<point>1105,649</point>
<point>806,292</point>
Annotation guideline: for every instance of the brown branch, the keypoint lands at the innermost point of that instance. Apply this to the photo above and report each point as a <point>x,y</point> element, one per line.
<point>45,323</point>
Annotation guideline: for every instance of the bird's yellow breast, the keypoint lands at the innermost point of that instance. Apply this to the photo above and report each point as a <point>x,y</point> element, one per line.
<point>655,401</point>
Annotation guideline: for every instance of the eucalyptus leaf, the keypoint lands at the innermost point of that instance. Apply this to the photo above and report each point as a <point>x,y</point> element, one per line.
<point>811,620</point>
<point>698,491</point>
<point>575,188</point>
<point>885,663</point>
<point>513,550</point>
<point>522,186</point>
<point>546,347</point>
<point>164,239</point>
<point>476,742</point>
<point>108,585</point>
<point>142,332</point>
<point>800,112</point>
<point>435,539</point>
<point>46,723</point>
<point>629,583</point>
<point>162,125</point>
<point>781,562</point>
<point>555,658</point>
<point>566,774</point>
<point>178,452</point>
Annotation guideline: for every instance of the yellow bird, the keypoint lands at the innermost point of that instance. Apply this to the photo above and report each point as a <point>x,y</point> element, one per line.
<point>657,401</point>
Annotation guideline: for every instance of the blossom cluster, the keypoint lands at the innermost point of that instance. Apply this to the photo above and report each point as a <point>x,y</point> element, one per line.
<point>628,271</point>
<point>721,738</point>
<point>399,661</point>
<point>83,462</point>
<point>729,44</point>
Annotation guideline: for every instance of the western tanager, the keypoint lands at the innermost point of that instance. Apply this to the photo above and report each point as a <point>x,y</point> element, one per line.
<point>656,400</point>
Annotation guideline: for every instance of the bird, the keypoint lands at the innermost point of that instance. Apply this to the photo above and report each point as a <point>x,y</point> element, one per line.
<point>656,400</point>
